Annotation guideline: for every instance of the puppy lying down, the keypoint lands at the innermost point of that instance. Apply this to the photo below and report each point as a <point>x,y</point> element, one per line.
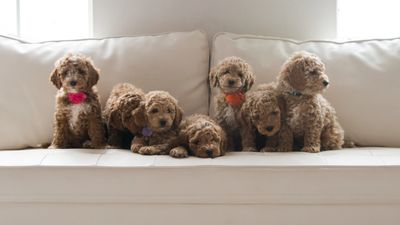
<point>200,136</point>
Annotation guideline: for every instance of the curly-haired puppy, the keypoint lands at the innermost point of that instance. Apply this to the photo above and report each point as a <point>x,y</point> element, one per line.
<point>200,136</point>
<point>77,120</point>
<point>119,115</point>
<point>310,116</point>
<point>233,77</point>
<point>158,117</point>
<point>263,117</point>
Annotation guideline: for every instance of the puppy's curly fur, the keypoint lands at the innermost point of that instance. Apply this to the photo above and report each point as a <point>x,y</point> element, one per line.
<point>158,118</point>
<point>119,115</point>
<point>263,116</point>
<point>77,125</point>
<point>232,75</point>
<point>310,116</point>
<point>200,136</point>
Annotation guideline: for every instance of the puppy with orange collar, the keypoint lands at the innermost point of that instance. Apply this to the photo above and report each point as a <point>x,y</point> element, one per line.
<point>232,77</point>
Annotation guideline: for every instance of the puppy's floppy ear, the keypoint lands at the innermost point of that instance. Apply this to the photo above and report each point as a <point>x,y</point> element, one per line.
<point>249,78</point>
<point>178,116</point>
<point>293,72</point>
<point>55,78</point>
<point>115,119</point>
<point>139,115</point>
<point>93,73</point>
<point>213,77</point>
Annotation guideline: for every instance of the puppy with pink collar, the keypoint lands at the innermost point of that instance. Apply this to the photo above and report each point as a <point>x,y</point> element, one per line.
<point>77,120</point>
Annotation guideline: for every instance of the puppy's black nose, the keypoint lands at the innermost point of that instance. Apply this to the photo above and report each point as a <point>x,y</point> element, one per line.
<point>325,83</point>
<point>231,82</point>
<point>269,128</point>
<point>72,83</point>
<point>163,123</point>
<point>209,152</point>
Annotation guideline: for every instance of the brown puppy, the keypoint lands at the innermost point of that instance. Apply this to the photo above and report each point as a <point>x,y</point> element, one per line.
<point>119,115</point>
<point>158,118</point>
<point>310,116</point>
<point>202,136</point>
<point>233,77</point>
<point>77,120</point>
<point>263,114</point>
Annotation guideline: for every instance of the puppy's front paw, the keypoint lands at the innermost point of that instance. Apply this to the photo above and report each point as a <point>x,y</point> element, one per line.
<point>135,148</point>
<point>268,149</point>
<point>179,152</point>
<point>311,149</point>
<point>53,147</point>
<point>148,150</point>
<point>249,149</point>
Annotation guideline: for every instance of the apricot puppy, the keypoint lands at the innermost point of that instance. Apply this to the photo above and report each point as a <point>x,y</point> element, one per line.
<point>311,117</point>
<point>232,77</point>
<point>263,117</point>
<point>158,118</point>
<point>200,136</point>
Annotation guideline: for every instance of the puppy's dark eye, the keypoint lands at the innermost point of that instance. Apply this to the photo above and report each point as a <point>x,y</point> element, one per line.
<point>81,71</point>
<point>196,142</point>
<point>256,117</point>
<point>169,110</point>
<point>240,74</point>
<point>225,72</point>
<point>154,111</point>
<point>274,113</point>
<point>314,72</point>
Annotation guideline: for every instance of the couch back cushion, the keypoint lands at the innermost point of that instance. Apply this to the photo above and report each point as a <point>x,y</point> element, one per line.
<point>364,76</point>
<point>175,62</point>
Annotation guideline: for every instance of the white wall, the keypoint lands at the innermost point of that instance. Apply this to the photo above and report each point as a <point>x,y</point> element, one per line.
<point>298,19</point>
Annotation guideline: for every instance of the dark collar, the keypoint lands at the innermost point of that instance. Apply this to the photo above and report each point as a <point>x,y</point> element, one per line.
<point>295,93</point>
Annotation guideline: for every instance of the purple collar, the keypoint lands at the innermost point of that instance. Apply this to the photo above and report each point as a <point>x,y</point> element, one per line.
<point>147,132</point>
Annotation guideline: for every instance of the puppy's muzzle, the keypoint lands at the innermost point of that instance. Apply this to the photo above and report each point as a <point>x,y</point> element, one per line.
<point>209,153</point>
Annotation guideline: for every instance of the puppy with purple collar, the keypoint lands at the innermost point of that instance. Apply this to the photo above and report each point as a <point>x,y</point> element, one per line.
<point>77,120</point>
<point>158,117</point>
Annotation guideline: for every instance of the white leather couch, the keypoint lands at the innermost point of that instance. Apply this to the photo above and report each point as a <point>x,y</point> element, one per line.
<point>80,186</point>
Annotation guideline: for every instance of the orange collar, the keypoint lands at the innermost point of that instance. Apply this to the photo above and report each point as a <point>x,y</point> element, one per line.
<point>235,99</point>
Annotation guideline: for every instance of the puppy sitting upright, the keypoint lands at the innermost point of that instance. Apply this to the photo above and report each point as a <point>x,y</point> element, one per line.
<point>310,116</point>
<point>77,120</point>
<point>158,118</point>
<point>263,116</point>
<point>200,136</point>
<point>233,77</point>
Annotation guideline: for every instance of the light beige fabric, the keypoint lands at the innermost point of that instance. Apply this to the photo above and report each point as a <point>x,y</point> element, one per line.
<point>364,78</point>
<point>175,62</point>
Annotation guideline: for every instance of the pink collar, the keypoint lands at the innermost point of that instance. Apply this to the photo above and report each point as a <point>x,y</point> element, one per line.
<point>77,98</point>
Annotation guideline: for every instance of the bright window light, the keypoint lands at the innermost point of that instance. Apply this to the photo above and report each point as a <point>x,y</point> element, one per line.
<point>358,19</point>
<point>8,17</point>
<point>41,20</point>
